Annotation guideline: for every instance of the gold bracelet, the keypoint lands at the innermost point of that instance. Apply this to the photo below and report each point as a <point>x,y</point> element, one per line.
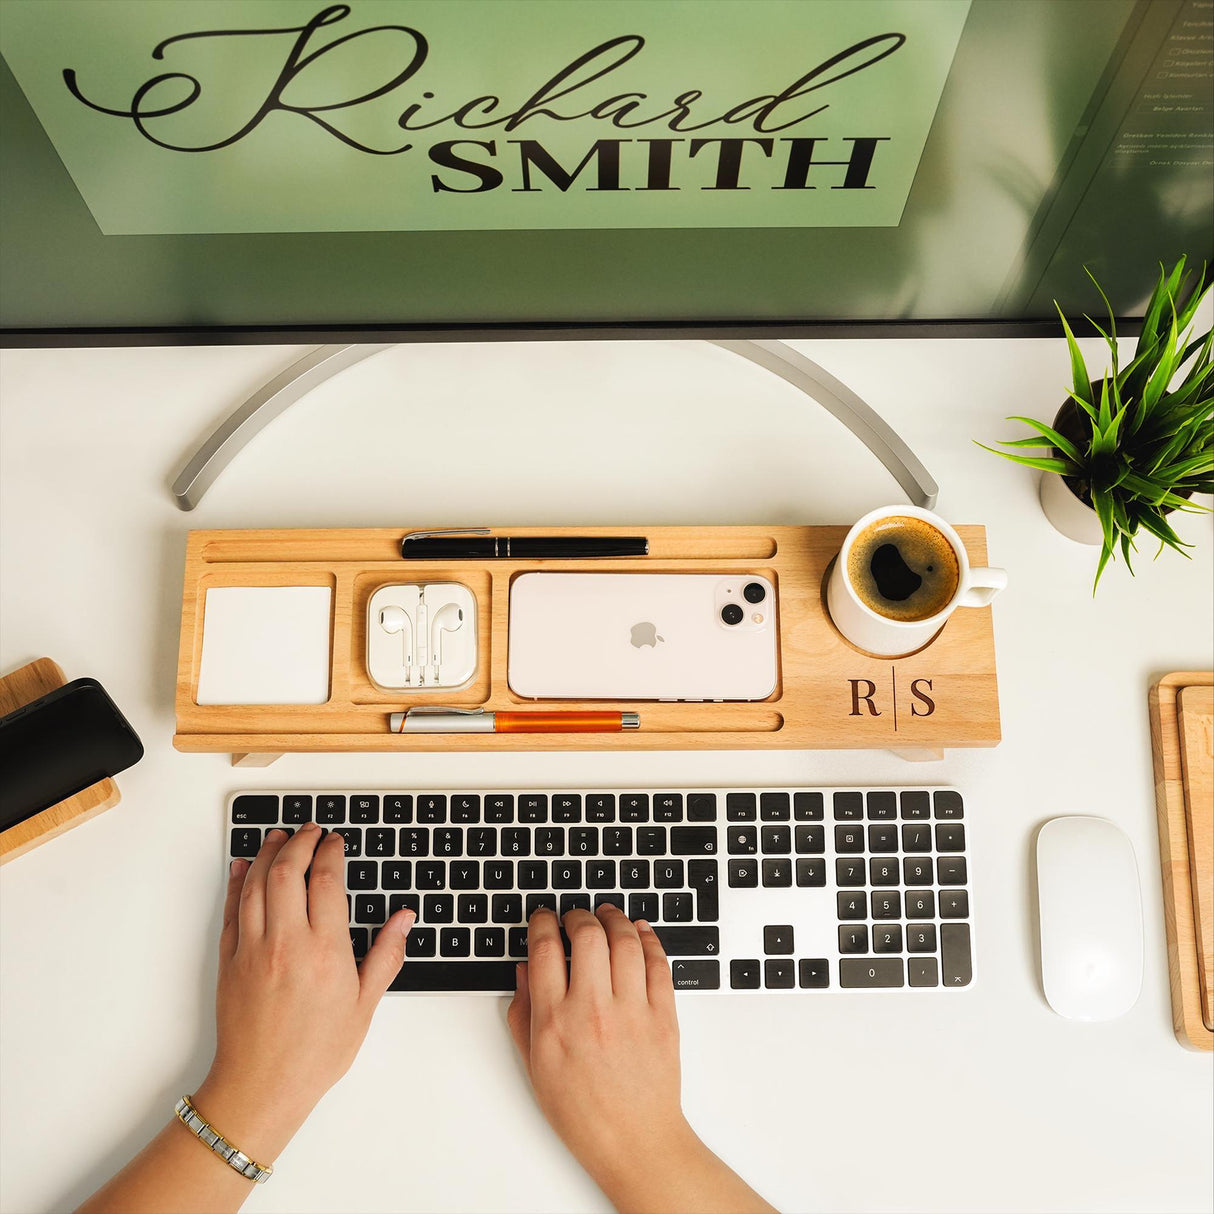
<point>189,1117</point>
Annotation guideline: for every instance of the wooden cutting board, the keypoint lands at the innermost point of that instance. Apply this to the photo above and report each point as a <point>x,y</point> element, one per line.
<point>1196,715</point>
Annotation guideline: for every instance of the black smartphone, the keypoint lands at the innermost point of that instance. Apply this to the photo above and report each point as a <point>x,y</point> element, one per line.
<point>58,745</point>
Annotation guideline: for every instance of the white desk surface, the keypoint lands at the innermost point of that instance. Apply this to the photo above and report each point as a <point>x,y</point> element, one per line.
<point>983,1101</point>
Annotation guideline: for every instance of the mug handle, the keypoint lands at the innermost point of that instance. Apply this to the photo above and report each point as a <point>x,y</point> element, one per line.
<point>983,585</point>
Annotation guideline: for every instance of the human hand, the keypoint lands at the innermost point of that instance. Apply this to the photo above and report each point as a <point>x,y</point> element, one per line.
<point>292,1006</point>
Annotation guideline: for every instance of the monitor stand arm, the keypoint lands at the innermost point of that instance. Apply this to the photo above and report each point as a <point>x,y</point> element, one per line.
<point>325,361</point>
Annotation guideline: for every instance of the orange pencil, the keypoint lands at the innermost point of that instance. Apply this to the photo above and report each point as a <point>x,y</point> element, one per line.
<point>477,720</point>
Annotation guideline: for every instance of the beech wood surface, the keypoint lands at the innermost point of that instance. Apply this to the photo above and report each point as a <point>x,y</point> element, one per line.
<point>1197,761</point>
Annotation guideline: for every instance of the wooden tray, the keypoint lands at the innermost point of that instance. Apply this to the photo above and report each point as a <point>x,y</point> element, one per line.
<point>23,685</point>
<point>1186,840</point>
<point>828,695</point>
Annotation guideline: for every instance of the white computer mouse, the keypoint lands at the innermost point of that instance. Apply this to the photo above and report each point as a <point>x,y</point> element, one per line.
<point>1091,918</point>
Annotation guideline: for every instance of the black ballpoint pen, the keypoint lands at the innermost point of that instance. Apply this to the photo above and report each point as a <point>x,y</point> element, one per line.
<point>476,543</point>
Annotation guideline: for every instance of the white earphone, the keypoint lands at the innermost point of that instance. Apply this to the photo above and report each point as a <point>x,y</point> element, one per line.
<point>449,618</point>
<point>396,619</point>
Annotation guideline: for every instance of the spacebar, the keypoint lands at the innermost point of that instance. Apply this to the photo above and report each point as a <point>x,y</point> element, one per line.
<point>689,941</point>
<point>455,976</point>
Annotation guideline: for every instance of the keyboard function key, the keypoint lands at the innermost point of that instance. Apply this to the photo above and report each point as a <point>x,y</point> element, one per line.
<point>364,809</point>
<point>533,807</point>
<point>566,807</point>
<point>808,807</point>
<point>398,808</point>
<point>848,806</point>
<point>465,808</point>
<point>702,807</point>
<point>600,807</point>
<point>634,807</point>
<point>330,810</point>
<point>741,807</point>
<point>668,807</point>
<point>882,805</point>
<point>432,809</point>
<point>259,810</point>
<point>296,809</point>
<point>948,803</point>
<point>775,806</point>
<point>915,805</point>
<point>499,808</point>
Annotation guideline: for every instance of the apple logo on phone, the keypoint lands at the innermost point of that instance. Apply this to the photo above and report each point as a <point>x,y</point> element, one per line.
<point>644,634</point>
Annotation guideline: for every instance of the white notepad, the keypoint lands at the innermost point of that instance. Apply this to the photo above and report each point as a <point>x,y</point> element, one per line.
<point>265,645</point>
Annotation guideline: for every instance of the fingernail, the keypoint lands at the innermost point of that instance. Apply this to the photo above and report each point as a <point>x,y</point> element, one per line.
<point>406,925</point>
<point>642,926</point>
<point>276,831</point>
<point>238,867</point>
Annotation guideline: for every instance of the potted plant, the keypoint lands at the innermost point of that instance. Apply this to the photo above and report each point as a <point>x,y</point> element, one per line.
<point>1126,449</point>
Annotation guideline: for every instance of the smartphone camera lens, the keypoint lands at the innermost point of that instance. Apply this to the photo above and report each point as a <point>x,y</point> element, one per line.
<point>731,613</point>
<point>753,592</point>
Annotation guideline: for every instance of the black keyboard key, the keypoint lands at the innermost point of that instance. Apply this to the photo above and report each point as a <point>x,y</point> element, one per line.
<point>887,937</point>
<point>696,975</point>
<point>871,972</point>
<point>745,975</point>
<point>566,874</point>
<point>811,872</point>
<point>364,809</point>
<point>954,904</point>
<point>882,838</point>
<point>808,807</point>
<point>742,840</point>
<point>702,877</point>
<point>668,874</point>
<point>550,841</point>
<point>533,874</point>
<point>574,902</point>
<point>886,905</point>
<point>516,841</point>
<point>455,941</point>
<point>882,805</point>
<point>810,840</point>
<point>432,809</point>
<point>643,906</point>
<point>533,807</point>
<point>489,942</point>
<point>634,874</point>
<point>414,842</point>
<point>507,908</point>
<point>246,841</point>
<point>516,942</point>
<point>920,904</point>
<point>499,807</point>
<point>370,908</point>
<point>464,874</point>
<point>667,807</point>
<point>396,874</point>
<point>259,810</point>
<point>741,807</point>
<point>743,874</point>
<point>917,870</point>
<point>849,839</point>
<point>849,872</point>
<point>616,900</point>
<point>296,808</point>
<point>634,807</point>
<point>566,807</point>
<point>777,873</point>
<point>430,874</point>
<point>498,874</point>
<point>330,810</point>
<point>448,841</point>
<point>948,803</point>
<point>883,871</point>
<point>362,874</point>
<point>456,976</point>
<point>853,939</point>
<point>848,806</point>
<point>600,874</point>
<point>359,942</point>
<point>422,942</point>
<point>399,902</point>
<point>924,971</point>
<point>482,841</point>
<point>693,841</point>
<point>380,841</point>
<point>852,905</point>
<point>617,841</point>
<point>950,836</point>
<point>398,808</point>
<point>775,806</point>
<point>354,840</point>
<point>957,964</point>
<point>701,807</point>
<point>583,840</point>
<point>438,908</point>
<point>677,908</point>
<point>777,840</point>
<point>951,870</point>
<point>600,807</point>
<point>651,840</point>
<point>689,941</point>
<point>777,939</point>
<point>813,973</point>
<point>779,974</point>
<point>540,902</point>
<point>921,938</point>
<point>916,805</point>
<point>465,807</point>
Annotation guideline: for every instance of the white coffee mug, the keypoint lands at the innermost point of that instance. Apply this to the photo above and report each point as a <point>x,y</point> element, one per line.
<point>868,629</point>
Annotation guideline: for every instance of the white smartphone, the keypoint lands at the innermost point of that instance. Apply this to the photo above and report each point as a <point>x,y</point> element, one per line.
<point>642,636</point>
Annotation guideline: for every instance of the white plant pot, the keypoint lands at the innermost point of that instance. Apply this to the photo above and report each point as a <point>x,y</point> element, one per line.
<point>1075,519</point>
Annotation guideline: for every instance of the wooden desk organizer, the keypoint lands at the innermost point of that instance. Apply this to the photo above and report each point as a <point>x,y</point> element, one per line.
<point>829,694</point>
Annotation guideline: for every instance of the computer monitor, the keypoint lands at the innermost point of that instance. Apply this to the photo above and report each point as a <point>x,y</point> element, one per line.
<point>384,170</point>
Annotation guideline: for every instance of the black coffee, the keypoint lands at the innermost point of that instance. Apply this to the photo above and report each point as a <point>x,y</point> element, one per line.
<point>903,568</point>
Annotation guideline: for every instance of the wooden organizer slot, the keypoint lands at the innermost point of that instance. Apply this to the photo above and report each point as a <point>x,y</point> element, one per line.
<point>944,695</point>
